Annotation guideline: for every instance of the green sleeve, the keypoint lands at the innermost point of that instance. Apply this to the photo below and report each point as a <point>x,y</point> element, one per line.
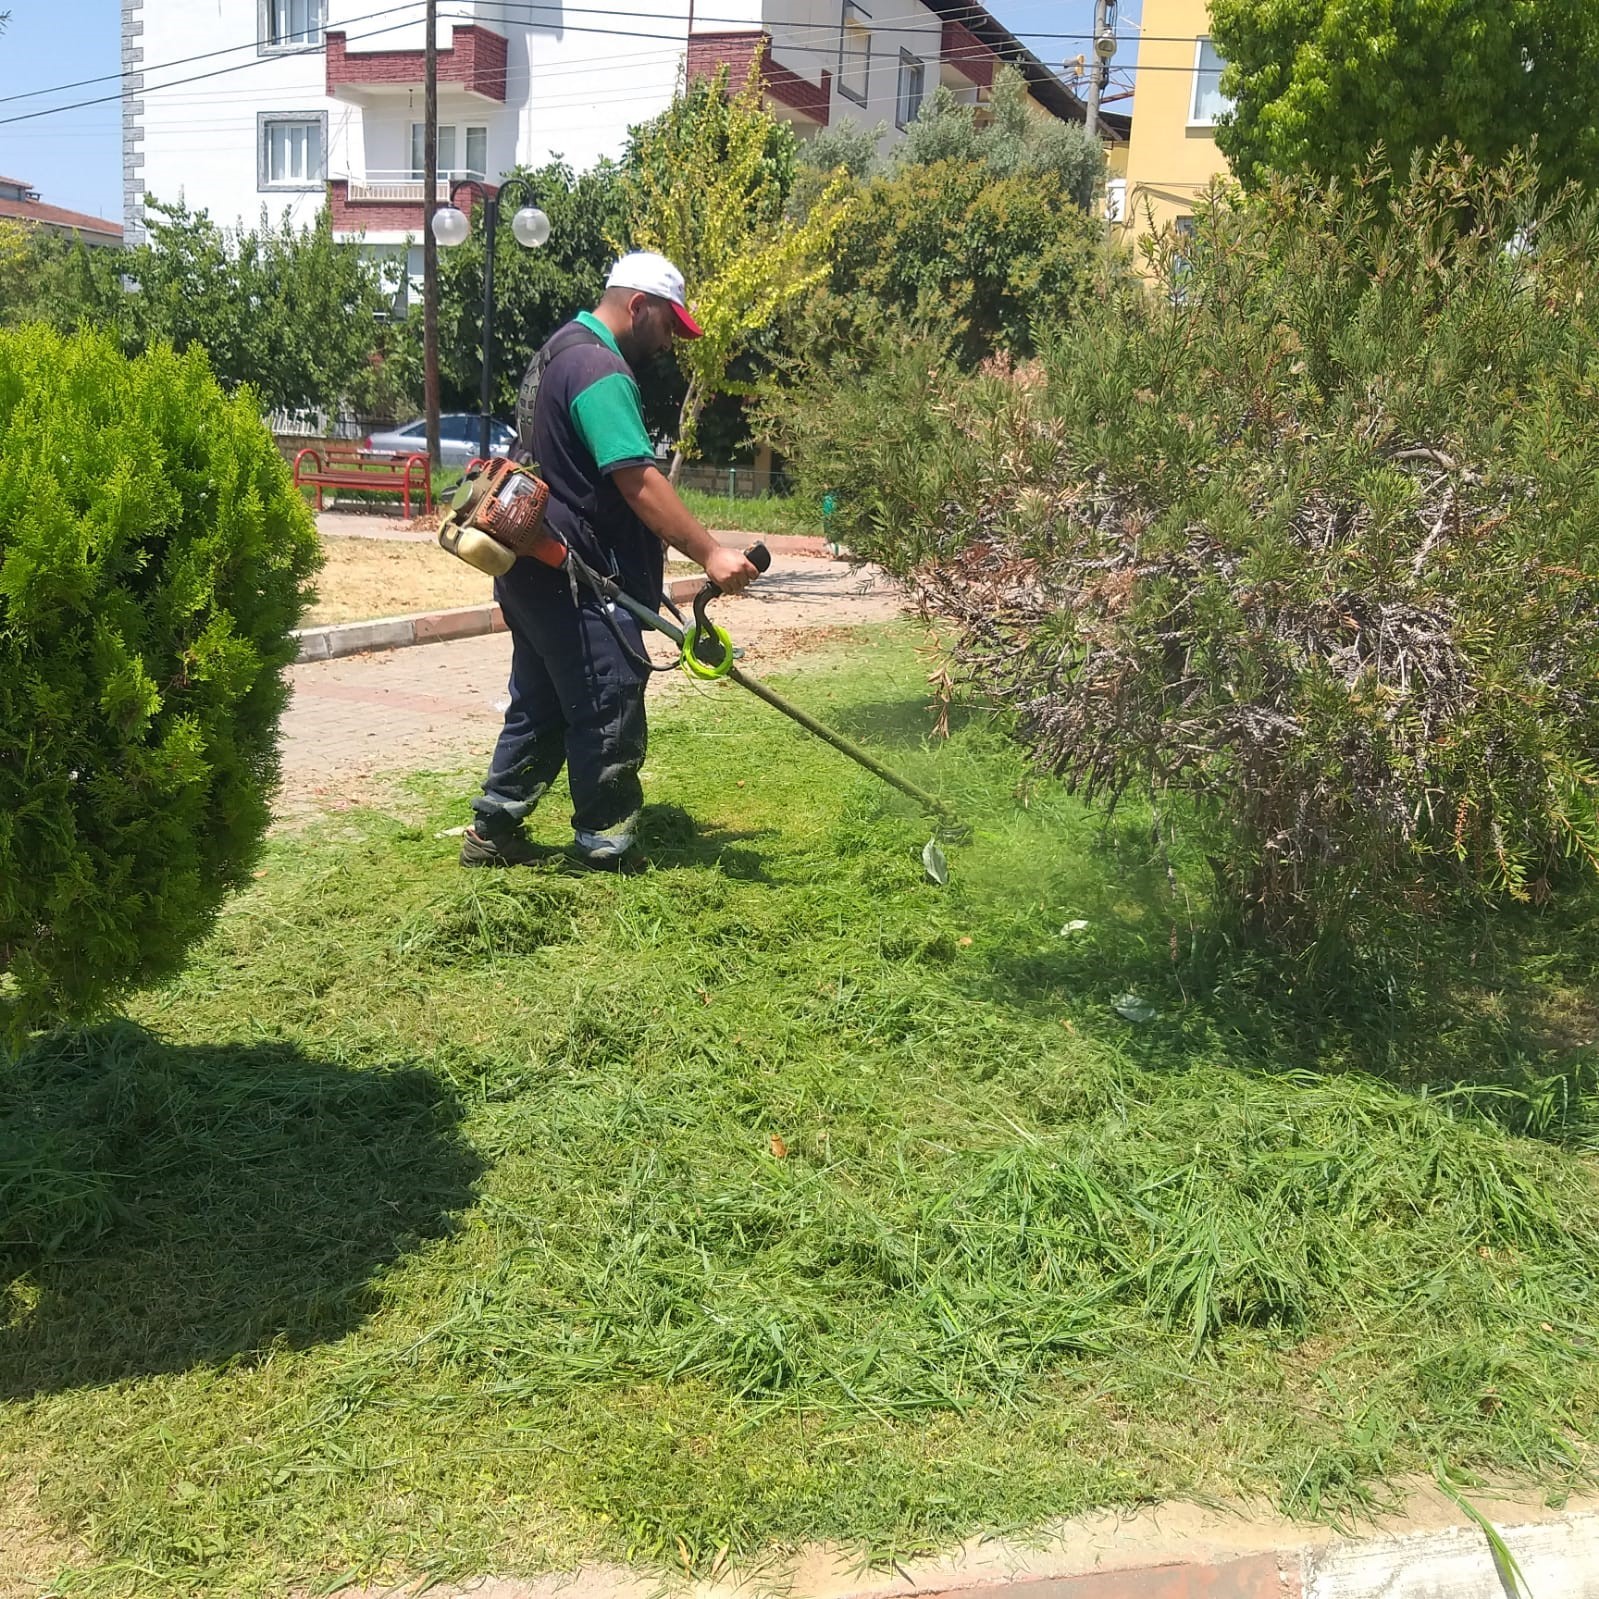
<point>610,422</point>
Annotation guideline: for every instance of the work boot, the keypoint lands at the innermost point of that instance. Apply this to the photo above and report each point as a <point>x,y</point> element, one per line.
<point>611,850</point>
<point>512,848</point>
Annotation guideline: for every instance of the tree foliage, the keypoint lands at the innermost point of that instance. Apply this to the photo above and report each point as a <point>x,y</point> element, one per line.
<point>1319,83</point>
<point>153,558</point>
<point>1012,139</point>
<point>1305,539</point>
<point>973,231</point>
<point>283,309</point>
<point>954,246</point>
<point>707,185</point>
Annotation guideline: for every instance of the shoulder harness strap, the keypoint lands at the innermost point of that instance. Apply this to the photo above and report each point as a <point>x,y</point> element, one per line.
<point>568,337</point>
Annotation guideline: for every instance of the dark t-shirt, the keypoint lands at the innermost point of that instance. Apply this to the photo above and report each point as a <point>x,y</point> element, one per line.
<point>579,420</point>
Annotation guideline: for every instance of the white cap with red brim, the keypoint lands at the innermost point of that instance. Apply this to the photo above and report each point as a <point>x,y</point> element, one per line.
<point>654,274</point>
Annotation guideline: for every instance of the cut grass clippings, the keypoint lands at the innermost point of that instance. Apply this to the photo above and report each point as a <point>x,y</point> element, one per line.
<point>445,1223</point>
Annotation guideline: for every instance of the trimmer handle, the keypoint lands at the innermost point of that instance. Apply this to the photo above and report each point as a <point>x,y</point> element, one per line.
<point>707,647</point>
<point>757,555</point>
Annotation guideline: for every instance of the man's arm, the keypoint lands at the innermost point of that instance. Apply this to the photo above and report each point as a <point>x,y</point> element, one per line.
<point>657,505</point>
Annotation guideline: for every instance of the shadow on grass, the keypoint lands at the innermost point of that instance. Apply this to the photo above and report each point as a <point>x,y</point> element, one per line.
<point>1493,1008</point>
<point>673,841</point>
<point>902,724</point>
<point>166,1206</point>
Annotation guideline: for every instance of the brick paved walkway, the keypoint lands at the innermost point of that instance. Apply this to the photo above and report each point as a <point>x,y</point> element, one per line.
<point>352,723</point>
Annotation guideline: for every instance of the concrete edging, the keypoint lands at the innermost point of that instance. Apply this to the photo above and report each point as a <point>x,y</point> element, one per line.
<point>1558,1559</point>
<point>338,639</point>
<point>1136,1556</point>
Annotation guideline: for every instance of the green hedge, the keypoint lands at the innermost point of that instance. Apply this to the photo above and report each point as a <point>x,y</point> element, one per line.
<point>153,559</point>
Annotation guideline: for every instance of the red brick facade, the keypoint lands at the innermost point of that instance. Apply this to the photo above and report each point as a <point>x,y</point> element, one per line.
<point>962,49</point>
<point>381,216</point>
<point>709,51</point>
<point>475,61</point>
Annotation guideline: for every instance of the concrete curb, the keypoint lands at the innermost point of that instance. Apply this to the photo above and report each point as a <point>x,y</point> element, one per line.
<point>1104,1556</point>
<point>425,627</point>
<point>1558,1559</point>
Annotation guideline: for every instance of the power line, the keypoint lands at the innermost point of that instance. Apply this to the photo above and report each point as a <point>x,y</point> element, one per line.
<point>410,5</point>
<point>198,77</point>
<point>676,39</point>
<point>181,61</point>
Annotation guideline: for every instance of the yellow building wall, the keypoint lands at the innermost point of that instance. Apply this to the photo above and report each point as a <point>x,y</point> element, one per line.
<point>1169,162</point>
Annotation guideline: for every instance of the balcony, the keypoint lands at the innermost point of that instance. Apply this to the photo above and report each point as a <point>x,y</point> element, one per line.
<point>967,63</point>
<point>474,63</point>
<point>792,97</point>
<point>387,202</point>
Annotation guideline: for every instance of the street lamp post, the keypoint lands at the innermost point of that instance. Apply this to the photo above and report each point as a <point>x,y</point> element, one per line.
<point>531,228</point>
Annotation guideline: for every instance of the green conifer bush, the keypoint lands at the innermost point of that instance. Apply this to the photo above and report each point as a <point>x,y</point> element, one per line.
<point>1307,533</point>
<point>154,557</point>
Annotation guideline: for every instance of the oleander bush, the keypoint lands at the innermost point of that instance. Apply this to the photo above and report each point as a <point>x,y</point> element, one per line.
<point>1300,540</point>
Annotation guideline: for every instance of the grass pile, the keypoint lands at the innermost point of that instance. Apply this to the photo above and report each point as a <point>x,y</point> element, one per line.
<point>442,1223</point>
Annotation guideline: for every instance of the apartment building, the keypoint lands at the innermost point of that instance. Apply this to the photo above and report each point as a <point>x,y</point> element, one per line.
<point>1172,156</point>
<point>290,104</point>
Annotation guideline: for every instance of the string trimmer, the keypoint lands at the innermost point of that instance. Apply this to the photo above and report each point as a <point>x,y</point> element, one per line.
<point>497,514</point>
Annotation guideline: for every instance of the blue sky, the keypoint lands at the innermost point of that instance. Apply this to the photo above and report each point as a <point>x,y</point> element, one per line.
<point>75,158</point>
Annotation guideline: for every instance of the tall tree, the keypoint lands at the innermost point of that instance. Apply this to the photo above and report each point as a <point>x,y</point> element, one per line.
<point>984,260</point>
<point>1318,83</point>
<point>287,310</point>
<point>1012,138</point>
<point>707,184</point>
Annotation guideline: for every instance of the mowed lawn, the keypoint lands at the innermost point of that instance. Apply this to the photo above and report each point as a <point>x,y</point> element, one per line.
<point>444,1223</point>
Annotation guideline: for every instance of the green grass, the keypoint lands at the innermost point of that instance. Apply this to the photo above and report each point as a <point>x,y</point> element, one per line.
<point>434,1222</point>
<point>772,513</point>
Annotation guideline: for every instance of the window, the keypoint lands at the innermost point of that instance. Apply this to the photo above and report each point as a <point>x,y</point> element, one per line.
<point>855,55</point>
<point>476,149</point>
<point>291,150</point>
<point>1208,102</point>
<point>912,84</point>
<point>291,24</point>
<point>1116,200</point>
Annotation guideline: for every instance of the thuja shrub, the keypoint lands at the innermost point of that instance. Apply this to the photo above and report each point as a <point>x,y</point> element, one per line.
<point>1304,541</point>
<point>153,558</point>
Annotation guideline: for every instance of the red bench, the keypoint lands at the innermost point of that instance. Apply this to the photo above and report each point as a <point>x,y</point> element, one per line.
<point>343,466</point>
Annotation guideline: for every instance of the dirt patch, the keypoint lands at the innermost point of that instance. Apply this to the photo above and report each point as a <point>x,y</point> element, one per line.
<point>365,578</point>
<point>31,1556</point>
<point>372,577</point>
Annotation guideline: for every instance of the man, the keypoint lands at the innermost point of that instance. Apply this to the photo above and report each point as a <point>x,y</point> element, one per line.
<point>578,667</point>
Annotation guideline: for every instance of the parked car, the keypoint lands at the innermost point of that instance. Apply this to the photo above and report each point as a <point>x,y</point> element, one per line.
<point>459,435</point>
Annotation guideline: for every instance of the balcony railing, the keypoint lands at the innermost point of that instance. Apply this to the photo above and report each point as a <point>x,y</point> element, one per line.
<point>403,187</point>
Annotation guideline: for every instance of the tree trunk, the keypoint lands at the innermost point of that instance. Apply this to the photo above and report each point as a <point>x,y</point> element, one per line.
<point>687,419</point>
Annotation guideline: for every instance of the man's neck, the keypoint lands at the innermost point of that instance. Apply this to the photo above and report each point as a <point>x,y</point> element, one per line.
<point>615,322</point>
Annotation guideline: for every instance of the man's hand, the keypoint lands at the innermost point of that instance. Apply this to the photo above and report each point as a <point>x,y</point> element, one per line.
<point>729,570</point>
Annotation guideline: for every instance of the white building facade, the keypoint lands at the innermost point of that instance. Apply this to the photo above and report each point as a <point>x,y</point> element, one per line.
<point>236,106</point>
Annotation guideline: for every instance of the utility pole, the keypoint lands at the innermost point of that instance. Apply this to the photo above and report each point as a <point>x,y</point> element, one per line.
<point>1104,49</point>
<point>430,245</point>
